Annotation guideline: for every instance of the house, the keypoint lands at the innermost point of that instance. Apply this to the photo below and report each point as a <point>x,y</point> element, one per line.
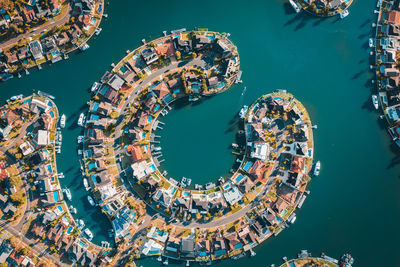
<point>280,206</point>
<point>42,138</point>
<point>157,234</point>
<point>36,50</point>
<point>109,94</point>
<point>149,55</point>
<point>231,193</point>
<point>5,251</point>
<point>182,45</point>
<point>22,52</point>
<point>11,57</point>
<point>199,205</point>
<point>15,259</point>
<point>181,204</point>
<point>233,241</point>
<point>163,196</point>
<point>162,92</point>
<point>203,248</point>
<point>26,148</point>
<point>142,169</point>
<point>172,247</point>
<point>115,82</point>
<point>3,171</point>
<point>10,209</point>
<point>188,248</point>
<point>151,247</point>
<point>219,247</point>
<point>100,178</point>
<point>166,48</point>
<point>62,39</point>
<point>136,152</point>
<point>28,14</point>
<point>201,41</point>
<point>298,165</point>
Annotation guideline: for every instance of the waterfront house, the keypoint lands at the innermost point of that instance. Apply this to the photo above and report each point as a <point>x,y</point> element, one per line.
<point>135,152</point>
<point>233,241</point>
<point>113,205</point>
<point>280,207</point>
<point>213,82</point>
<point>149,55</point>
<point>258,170</point>
<point>51,198</point>
<point>298,165</point>
<point>181,205</point>
<point>162,92</point>
<point>94,151</point>
<point>115,82</point>
<point>203,248</point>
<point>217,203</point>
<point>247,237</point>
<point>109,94</point>
<point>172,247</point>
<point>50,49</point>
<point>100,178</point>
<point>165,48</point>
<point>11,57</point>
<point>223,49</point>
<point>259,150</point>
<point>105,192</point>
<point>175,84</point>
<point>288,193</point>
<point>199,205</point>
<point>151,248</point>
<point>122,222</point>
<point>245,184</point>
<point>136,63</point>
<point>62,39</point>
<point>163,197</point>
<point>36,50</point>
<point>182,45</point>
<point>201,42</point>
<point>231,193</point>
<point>219,247</point>
<point>142,169</point>
<point>22,52</point>
<point>188,248</point>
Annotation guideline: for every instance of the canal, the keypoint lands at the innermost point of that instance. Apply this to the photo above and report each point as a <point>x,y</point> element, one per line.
<point>354,205</point>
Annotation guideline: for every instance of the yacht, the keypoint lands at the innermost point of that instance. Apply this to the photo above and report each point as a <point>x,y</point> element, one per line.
<point>88,233</point>
<point>243,111</point>
<point>94,86</point>
<point>62,121</point>
<point>317,168</point>
<point>91,201</point>
<point>81,119</point>
<point>67,193</point>
<point>371,42</point>
<point>295,5</point>
<point>84,47</point>
<point>72,209</point>
<point>344,14</point>
<point>375,101</point>
<point>98,31</point>
<point>81,224</point>
<point>86,184</point>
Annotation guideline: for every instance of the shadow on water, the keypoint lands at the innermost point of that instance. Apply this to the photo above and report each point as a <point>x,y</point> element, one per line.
<point>69,169</point>
<point>368,105</point>
<point>288,9</point>
<point>366,22</point>
<point>396,159</point>
<point>357,75</point>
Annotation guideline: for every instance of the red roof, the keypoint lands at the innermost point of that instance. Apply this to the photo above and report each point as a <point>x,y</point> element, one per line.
<point>394,17</point>
<point>136,153</point>
<point>3,171</point>
<point>298,164</point>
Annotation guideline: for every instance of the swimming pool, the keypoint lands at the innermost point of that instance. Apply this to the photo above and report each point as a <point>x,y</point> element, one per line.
<point>177,91</point>
<point>51,114</point>
<point>220,85</point>
<point>247,165</point>
<point>186,194</point>
<point>69,230</point>
<point>239,178</point>
<point>211,37</point>
<point>49,168</point>
<point>55,196</point>
<point>156,108</point>
<point>149,119</point>
<point>123,69</point>
<point>93,21</point>
<point>153,167</point>
<point>59,207</point>
<point>277,98</point>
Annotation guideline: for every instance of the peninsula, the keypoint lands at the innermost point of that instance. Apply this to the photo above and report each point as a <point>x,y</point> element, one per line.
<point>37,32</point>
<point>221,219</point>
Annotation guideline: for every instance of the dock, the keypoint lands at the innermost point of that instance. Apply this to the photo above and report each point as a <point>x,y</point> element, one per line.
<point>301,201</point>
<point>238,77</point>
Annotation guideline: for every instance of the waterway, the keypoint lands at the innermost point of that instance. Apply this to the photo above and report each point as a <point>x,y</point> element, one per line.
<point>354,205</point>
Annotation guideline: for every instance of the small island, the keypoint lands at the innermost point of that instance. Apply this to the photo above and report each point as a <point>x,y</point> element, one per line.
<point>34,33</point>
<point>305,259</point>
<point>323,8</point>
<point>225,218</point>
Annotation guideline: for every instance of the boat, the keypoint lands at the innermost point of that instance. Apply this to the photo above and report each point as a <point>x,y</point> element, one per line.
<point>81,224</point>
<point>84,47</point>
<point>95,86</point>
<point>317,168</point>
<point>60,175</point>
<point>67,193</point>
<point>85,183</point>
<point>166,261</point>
<point>98,31</point>
<point>371,42</point>
<point>91,201</point>
<point>72,209</point>
<point>243,111</point>
<point>375,101</point>
<point>346,260</point>
<point>292,219</point>
<point>295,5</point>
<point>62,121</point>
<point>88,233</point>
<point>344,14</point>
<point>81,119</point>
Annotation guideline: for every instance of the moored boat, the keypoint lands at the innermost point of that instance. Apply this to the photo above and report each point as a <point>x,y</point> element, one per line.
<point>243,112</point>
<point>81,119</point>
<point>88,233</point>
<point>81,224</point>
<point>98,31</point>
<point>67,193</point>
<point>295,5</point>
<point>62,121</point>
<point>344,14</point>
<point>371,42</point>
<point>317,168</point>
<point>86,184</point>
<point>95,86</point>
<point>84,47</point>
<point>375,101</point>
<point>91,201</point>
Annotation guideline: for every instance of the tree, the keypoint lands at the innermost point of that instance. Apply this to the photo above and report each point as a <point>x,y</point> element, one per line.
<point>178,55</point>
<point>25,251</point>
<point>16,181</point>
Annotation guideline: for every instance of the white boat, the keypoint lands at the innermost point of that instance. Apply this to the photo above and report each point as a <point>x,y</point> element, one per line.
<point>72,209</point>
<point>95,86</point>
<point>88,233</point>
<point>84,47</point>
<point>81,224</point>
<point>91,201</point>
<point>86,184</point>
<point>317,168</point>
<point>243,111</point>
<point>344,14</point>
<point>371,42</point>
<point>67,193</point>
<point>81,119</point>
<point>295,5</point>
<point>60,175</point>
<point>375,101</point>
<point>98,31</point>
<point>293,219</point>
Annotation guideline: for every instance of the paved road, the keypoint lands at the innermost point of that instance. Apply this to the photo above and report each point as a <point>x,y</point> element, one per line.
<point>60,20</point>
<point>37,247</point>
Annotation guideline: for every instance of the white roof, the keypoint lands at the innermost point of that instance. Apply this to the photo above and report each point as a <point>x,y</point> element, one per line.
<point>43,137</point>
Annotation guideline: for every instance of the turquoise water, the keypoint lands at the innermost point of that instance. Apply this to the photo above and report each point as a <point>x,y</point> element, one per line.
<point>323,62</point>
